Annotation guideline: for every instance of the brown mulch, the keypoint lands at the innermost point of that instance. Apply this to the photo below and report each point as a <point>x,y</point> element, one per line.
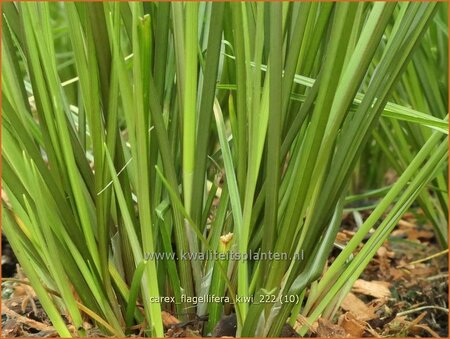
<point>400,294</point>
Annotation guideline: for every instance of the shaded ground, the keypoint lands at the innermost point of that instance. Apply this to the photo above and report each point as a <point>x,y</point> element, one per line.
<point>405,285</point>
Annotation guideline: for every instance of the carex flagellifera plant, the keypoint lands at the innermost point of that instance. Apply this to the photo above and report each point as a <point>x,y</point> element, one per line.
<point>185,129</point>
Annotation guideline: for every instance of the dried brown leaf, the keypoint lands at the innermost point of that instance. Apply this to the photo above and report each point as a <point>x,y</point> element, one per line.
<point>377,289</point>
<point>353,326</point>
<point>168,319</point>
<point>353,304</point>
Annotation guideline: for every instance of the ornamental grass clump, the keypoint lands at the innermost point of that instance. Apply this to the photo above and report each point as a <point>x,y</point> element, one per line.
<point>136,135</point>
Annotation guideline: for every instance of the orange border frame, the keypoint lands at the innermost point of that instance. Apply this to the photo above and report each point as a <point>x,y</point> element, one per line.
<point>448,98</point>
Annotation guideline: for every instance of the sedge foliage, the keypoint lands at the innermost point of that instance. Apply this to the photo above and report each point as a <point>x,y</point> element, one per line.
<point>130,129</point>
